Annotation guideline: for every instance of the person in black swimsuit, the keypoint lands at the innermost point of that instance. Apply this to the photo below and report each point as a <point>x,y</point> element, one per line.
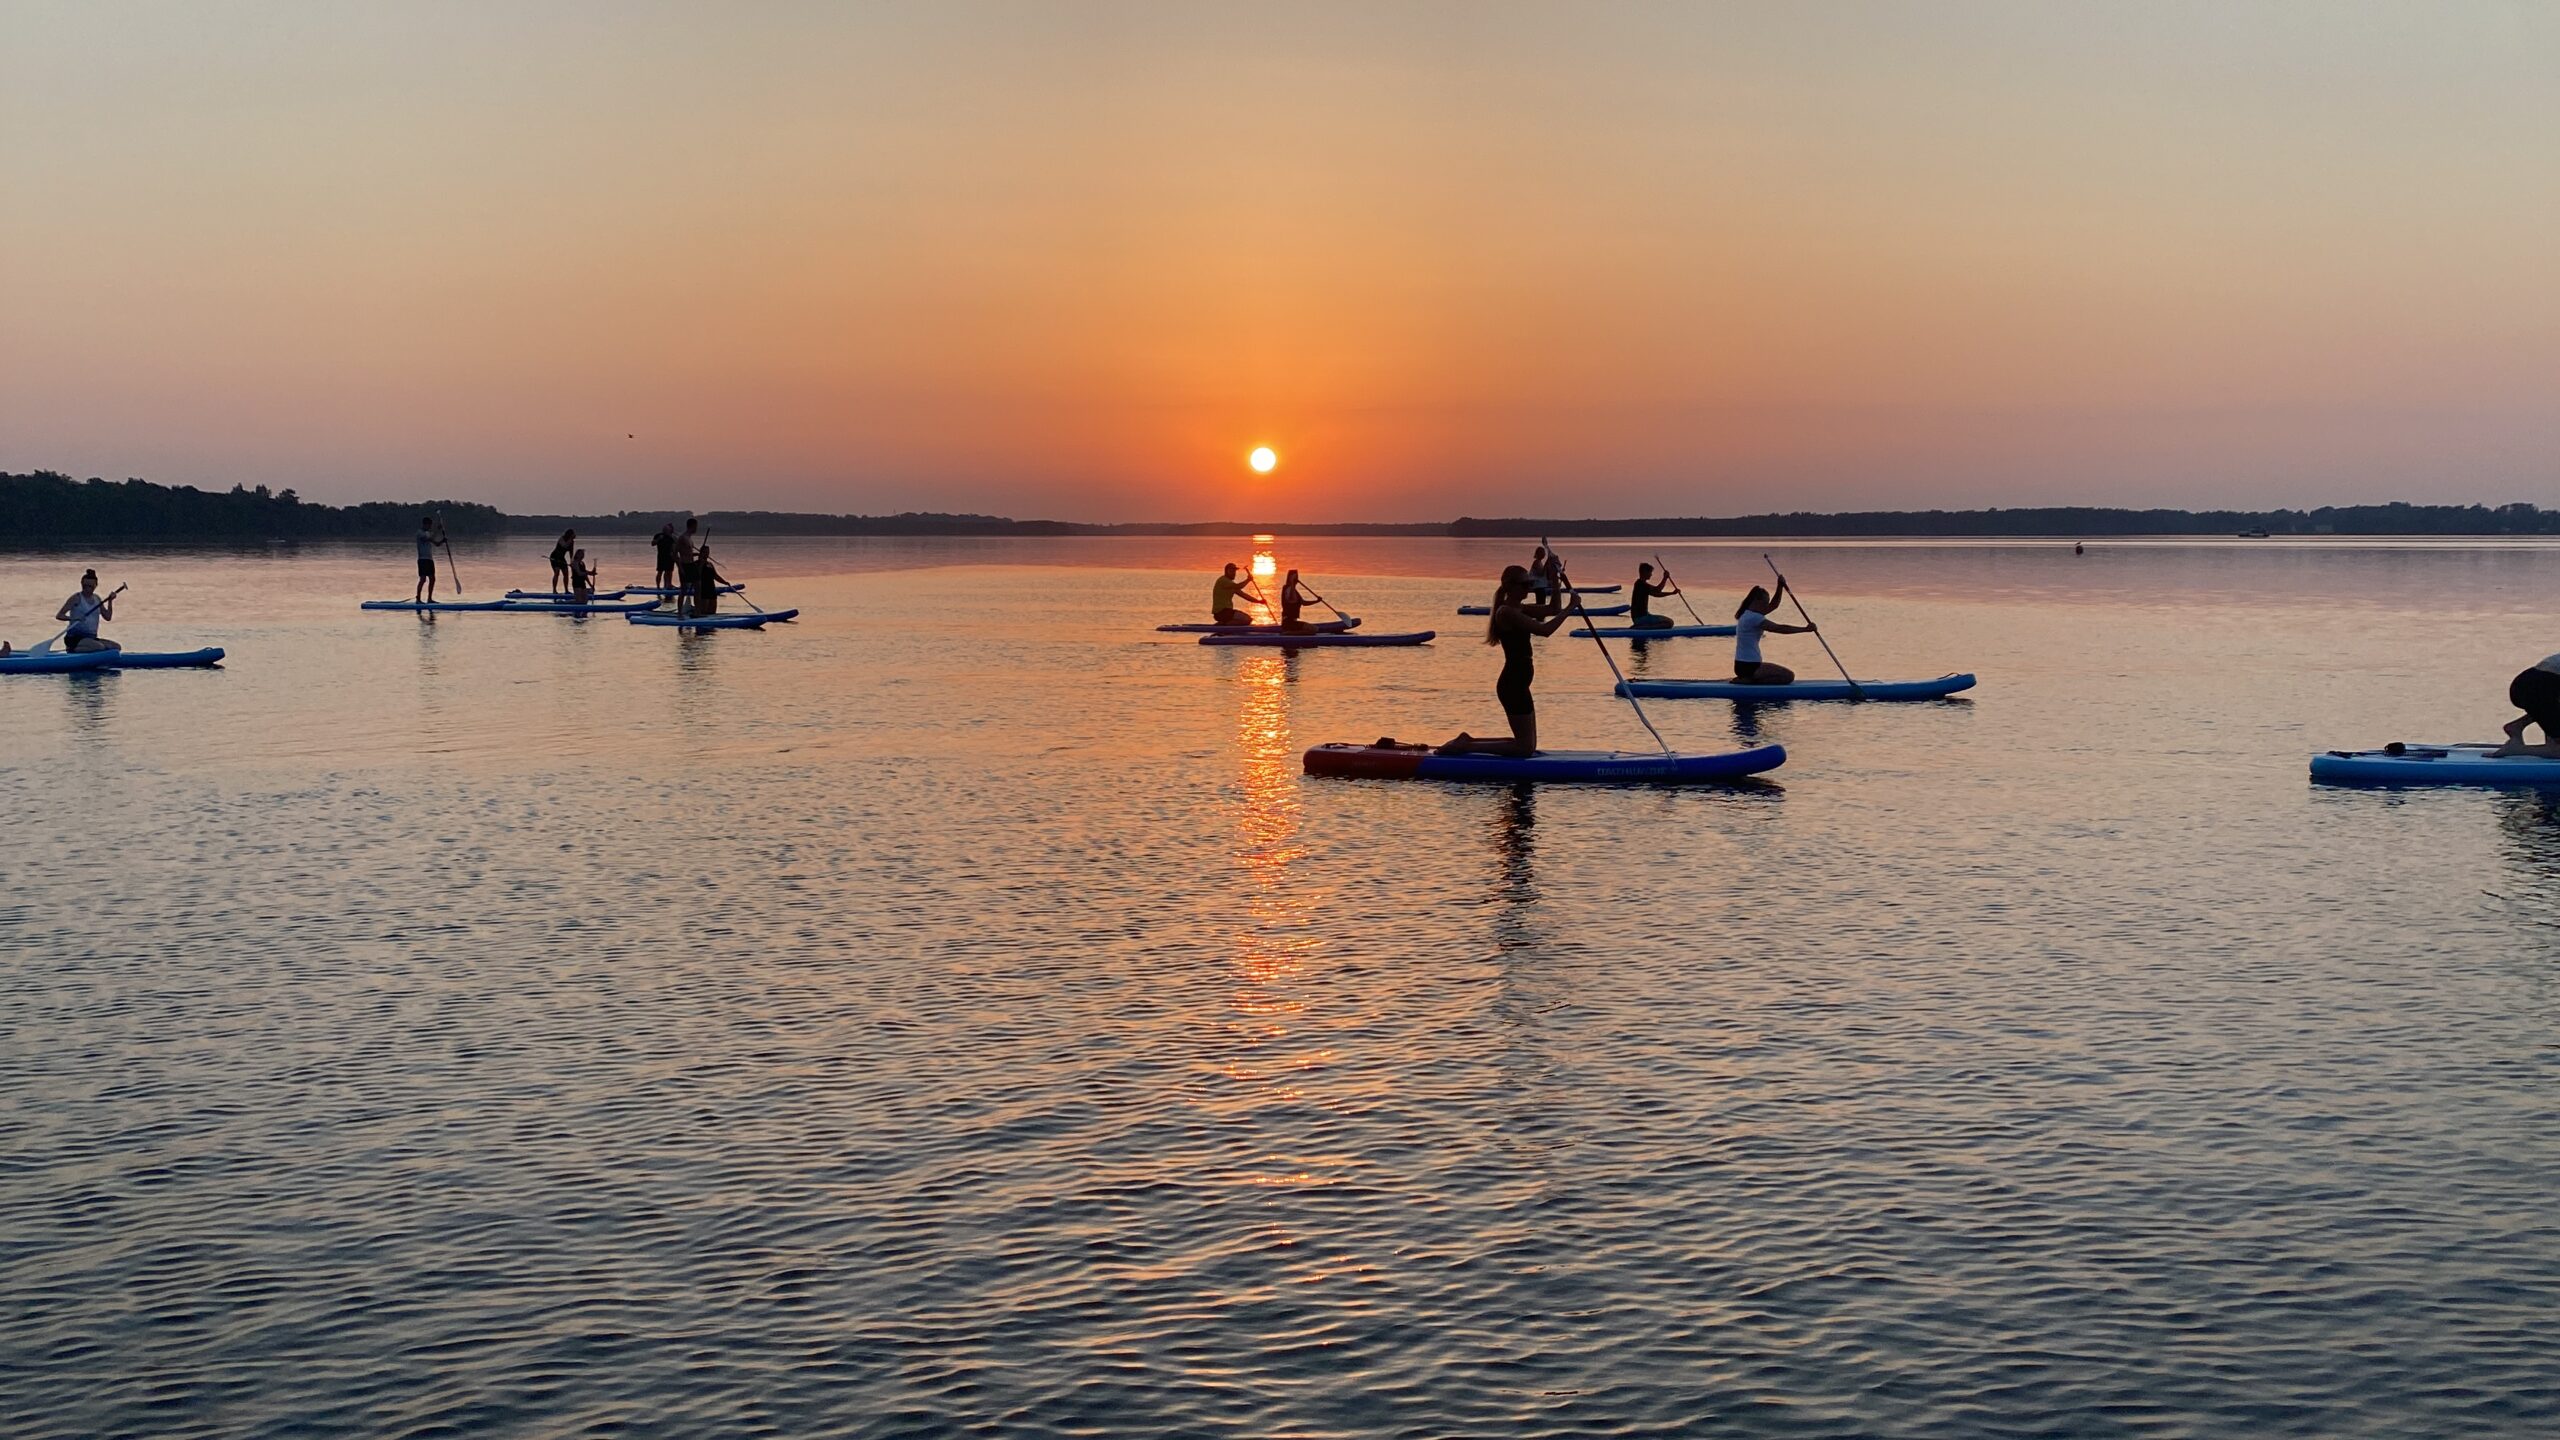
<point>1293,599</point>
<point>1514,620</point>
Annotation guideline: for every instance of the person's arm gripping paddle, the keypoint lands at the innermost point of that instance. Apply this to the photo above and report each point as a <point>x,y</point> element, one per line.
<point>1694,616</point>
<point>1789,592</point>
<point>1564,583</point>
<point>1329,605</point>
<point>105,610</point>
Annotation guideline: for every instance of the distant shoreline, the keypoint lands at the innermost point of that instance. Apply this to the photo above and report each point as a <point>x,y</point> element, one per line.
<point>47,507</point>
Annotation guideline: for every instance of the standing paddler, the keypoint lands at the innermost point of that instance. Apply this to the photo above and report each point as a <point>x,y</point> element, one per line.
<point>561,549</point>
<point>430,535</point>
<point>687,545</point>
<point>665,543</point>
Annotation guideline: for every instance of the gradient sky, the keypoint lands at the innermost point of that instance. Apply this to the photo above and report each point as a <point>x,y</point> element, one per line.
<point>1075,260</point>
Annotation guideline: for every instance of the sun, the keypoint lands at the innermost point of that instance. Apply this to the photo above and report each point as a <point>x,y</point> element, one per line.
<point>1262,459</point>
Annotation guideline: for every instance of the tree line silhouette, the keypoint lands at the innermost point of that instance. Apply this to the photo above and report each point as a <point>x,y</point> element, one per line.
<point>48,505</point>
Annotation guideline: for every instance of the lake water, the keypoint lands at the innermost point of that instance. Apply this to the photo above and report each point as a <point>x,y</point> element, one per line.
<point>955,1013</point>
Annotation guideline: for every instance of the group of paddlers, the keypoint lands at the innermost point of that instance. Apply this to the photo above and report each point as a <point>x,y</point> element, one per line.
<point>1536,598</point>
<point>1229,588</point>
<point>685,569</point>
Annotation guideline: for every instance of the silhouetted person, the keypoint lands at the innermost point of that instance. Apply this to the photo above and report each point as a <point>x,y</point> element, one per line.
<point>1223,593</point>
<point>1643,593</point>
<point>1748,622</point>
<point>561,550</point>
<point>430,535</point>
<point>1514,620</point>
<point>665,541</point>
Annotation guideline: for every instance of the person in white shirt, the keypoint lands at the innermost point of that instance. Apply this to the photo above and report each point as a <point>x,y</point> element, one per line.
<point>2536,692</point>
<point>83,612</point>
<point>1748,623</point>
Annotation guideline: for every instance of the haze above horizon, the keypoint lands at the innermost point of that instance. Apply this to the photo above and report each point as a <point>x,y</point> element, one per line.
<point>1442,259</point>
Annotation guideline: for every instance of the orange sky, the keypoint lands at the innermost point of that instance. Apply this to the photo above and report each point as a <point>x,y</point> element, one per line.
<point>1077,260</point>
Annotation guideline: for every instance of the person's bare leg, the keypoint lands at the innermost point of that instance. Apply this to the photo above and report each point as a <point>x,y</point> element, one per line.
<point>1522,744</point>
<point>2549,749</point>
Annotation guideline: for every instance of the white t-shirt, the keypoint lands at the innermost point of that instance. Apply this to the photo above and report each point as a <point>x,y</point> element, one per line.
<point>1746,636</point>
<point>84,609</point>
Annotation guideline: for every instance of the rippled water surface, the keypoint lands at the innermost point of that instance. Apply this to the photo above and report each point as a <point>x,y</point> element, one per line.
<point>955,1013</point>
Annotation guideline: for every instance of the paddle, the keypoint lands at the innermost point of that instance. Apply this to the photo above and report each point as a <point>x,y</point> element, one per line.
<point>1855,691</point>
<point>1665,572</point>
<point>1565,583</point>
<point>449,563</point>
<point>1329,605</point>
<point>47,647</point>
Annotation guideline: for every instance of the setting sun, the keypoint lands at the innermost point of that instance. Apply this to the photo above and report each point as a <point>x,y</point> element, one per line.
<point>1262,459</point>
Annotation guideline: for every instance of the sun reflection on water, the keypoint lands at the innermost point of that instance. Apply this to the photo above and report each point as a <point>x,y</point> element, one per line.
<point>1276,941</point>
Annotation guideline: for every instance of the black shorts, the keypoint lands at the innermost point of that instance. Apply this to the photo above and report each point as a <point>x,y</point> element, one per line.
<point>426,567</point>
<point>1745,669</point>
<point>1513,692</point>
<point>2536,692</point>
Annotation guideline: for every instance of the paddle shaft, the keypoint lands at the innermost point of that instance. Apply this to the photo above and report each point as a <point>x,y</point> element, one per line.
<point>1854,688</point>
<point>450,563</point>
<point>100,608</point>
<point>1565,582</point>
<point>1665,572</point>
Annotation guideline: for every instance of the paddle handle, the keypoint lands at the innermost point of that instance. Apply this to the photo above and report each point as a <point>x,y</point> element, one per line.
<point>1565,582</point>
<point>1798,600</point>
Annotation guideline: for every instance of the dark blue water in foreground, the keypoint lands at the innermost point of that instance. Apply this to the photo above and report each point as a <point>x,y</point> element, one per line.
<point>956,1014</point>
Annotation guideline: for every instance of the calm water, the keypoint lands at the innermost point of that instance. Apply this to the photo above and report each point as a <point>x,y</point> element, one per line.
<point>956,1014</point>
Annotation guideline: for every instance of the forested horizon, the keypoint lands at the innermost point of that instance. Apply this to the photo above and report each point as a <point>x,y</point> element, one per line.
<point>47,507</point>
